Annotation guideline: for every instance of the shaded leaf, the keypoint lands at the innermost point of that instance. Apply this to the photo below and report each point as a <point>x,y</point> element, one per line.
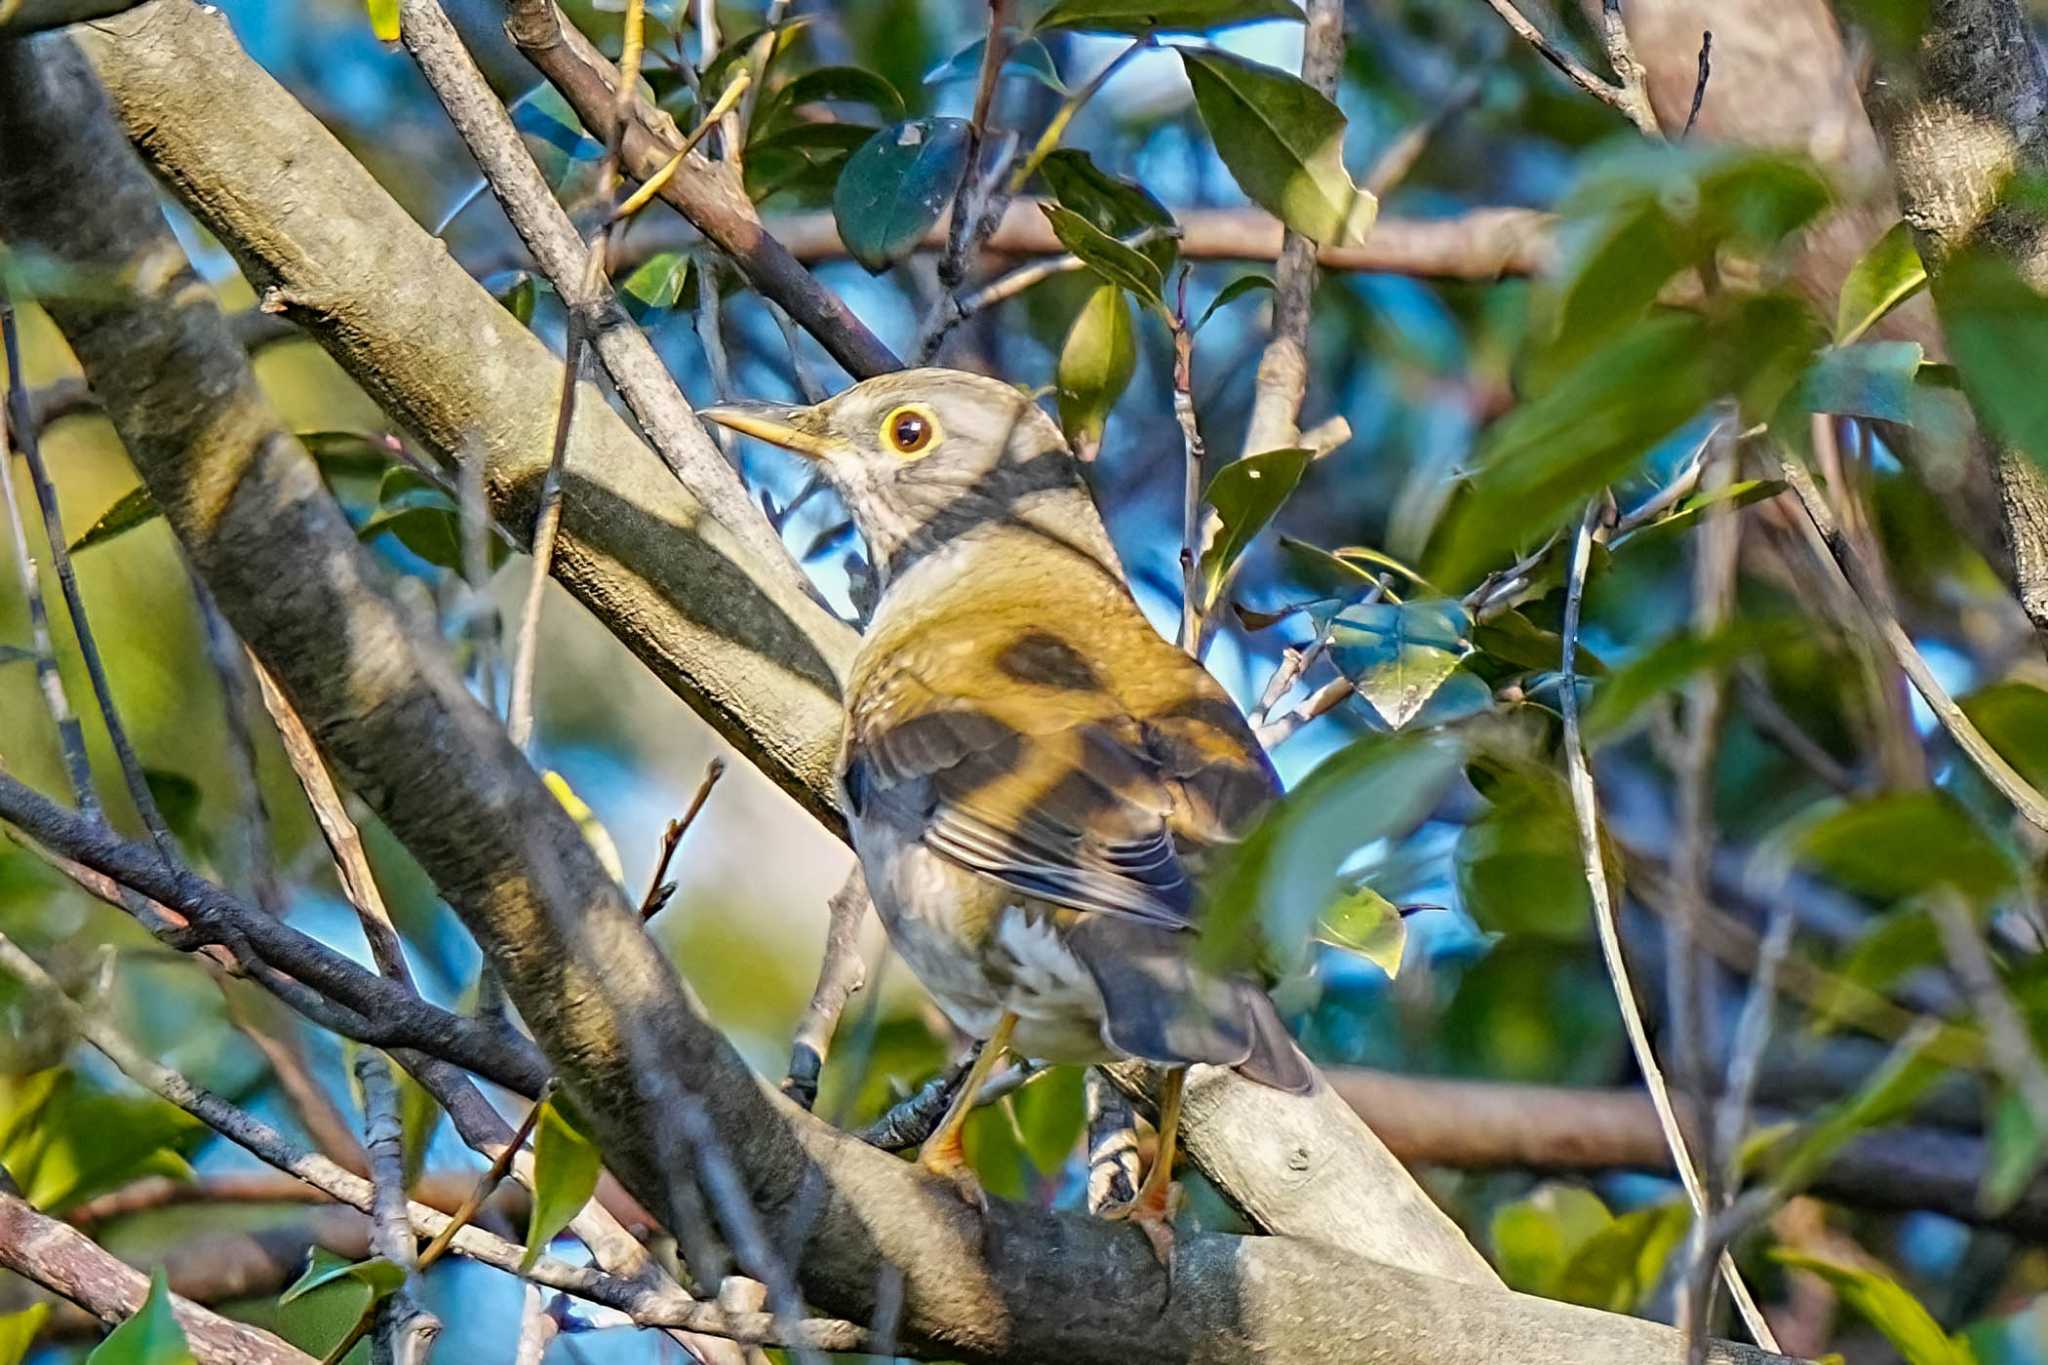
<point>179,798</point>
<point>2014,717</point>
<point>1050,1116</point>
<point>1368,924</point>
<point>1096,363</point>
<point>1514,639</point>
<point>1398,655</point>
<point>151,1336</point>
<point>1902,940</point>
<point>1872,379</point>
<point>1148,16</point>
<point>1027,57</point>
<point>1904,844</point>
<point>1619,1267</point>
<point>1106,256</point>
<point>1119,206</point>
<point>1996,327</point>
<point>565,1170</point>
<point>1283,143</point>
<point>1673,662</point>
<point>895,187</point>
<point>1885,1097</point>
<point>2018,1146</point>
<point>1888,274</point>
<point>1326,574</point>
<point>840,84</point>
<point>1741,493</point>
<point>325,1303</point>
<point>520,296</point>
<point>738,52</point>
<point>1884,1303</point>
<point>132,509</point>
<point>1535,1239</point>
<point>1518,866</point>
<point>1246,494</point>
<point>1231,293</point>
<point>804,159</point>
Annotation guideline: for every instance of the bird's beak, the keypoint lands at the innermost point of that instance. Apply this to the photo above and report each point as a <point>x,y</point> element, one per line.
<point>778,424</point>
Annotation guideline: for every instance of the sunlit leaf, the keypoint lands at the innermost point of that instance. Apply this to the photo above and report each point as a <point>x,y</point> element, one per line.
<point>1871,379</point>
<point>1996,326</point>
<point>1621,1265</point>
<point>151,1336</point>
<point>1231,293</point>
<point>1885,1304</point>
<point>1246,494</point>
<point>1888,274</point>
<point>1106,256</point>
<point>1368,924</point>
<point>384,19</point>
<point>1688,513</point>
<point>132,509</point>
<point>896,186</point>
<point>1119,206</point>
<point>1535,1239</point>
<point>1096,363</point>
<point>1398,655</point>
<point>64,1141</point>
<point>382,1277</point>
<point>18,1332</point>
<point>657,285</point>
<point>565,1170</point>
<point>1146,16</point>
<point>1283,143</point>
<point>1027,57</point>
<point>1904,844</point>
<point>594,832</point>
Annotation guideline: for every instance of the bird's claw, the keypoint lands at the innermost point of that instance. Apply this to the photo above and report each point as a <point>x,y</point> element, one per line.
<point>954,1170</point>
<point>1151,1214</point>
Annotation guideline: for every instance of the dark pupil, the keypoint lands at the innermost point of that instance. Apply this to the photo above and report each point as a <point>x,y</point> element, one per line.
<point>911,431</point>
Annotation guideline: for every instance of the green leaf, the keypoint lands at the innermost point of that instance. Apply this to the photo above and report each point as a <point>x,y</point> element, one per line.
<point>657,285</point>
<point>565,1170</point>
<point>1882,1302</point>
<point>65,1142</point>
<point>1399,654</point>
<point>805,159</point>
<point>896,186</point>
<point>594,832</point>
<point>1535,1239</point>
<point>1619,1267</point>
<point>1741,493</point>
<point>1905,844</point>
<point>384,19</point>
<point>1518,866</point>
<point>425,520</point>
<point>841,84</point>
<point>1247,494</point>
<point>1231,293</point>
<point>2018,1146</point>
<point>1368,924</point>
<point>1027,57</point>
<point>1515,640</point>
<point>1121,207</point>
<point>15,654</point>
<point>381,1276</point>
<point>739,51</point>
<point>1872,379</point>
<point>1271,890</point>
<point>327,1301</point>
<point>1169,16</point>
<point>1283,143</point>
<point>1996,327</point>
<point>1096,363</point>
<point>520,296</point>
<point>131,510</point>
<point>1902,940</point>
<point>179,798</point>
<point>1887,275</point>
<point>419,1114</point>
<point>2014,717</point>
<point>18,1332</point>
<point>1673,662</point>
<point>151,1337</point>
<point>1887,1096</point>
<point>1051,1114</point>
<point>1107,257</point>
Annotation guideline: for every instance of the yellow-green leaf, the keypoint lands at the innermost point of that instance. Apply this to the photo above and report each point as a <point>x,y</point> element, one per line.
<point>1884,1303</point>
<point>1887,275</point>
<point>594,832</point>
<point>384,19</point>
<point>565,1169</point>
<point>18,1332</point>
<point>1368,924</point>
<point>1096,363</point>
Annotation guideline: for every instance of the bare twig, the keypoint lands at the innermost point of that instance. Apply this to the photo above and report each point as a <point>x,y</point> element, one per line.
<point>967,225</point>
<point>841,972</point>
<point>1191,480</point>
<point>658,888</point>
<point>1699,89</point>
<point>1607,923</point>
<point>28,441</point>
<point>1635,81</point>
<point>916,1117</point>
<point>1827,538</point>
<point>404,1330</point>
<point>1632,105</point>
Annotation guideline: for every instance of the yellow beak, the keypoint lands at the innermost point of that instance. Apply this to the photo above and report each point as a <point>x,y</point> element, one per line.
<point>776,423</point>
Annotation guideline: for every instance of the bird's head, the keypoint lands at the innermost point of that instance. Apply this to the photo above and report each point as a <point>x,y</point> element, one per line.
<point>919,456</point>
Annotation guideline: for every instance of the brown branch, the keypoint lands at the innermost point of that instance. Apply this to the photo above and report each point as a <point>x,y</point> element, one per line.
<point>65,1261</point>
<point>841,972</point>
<point>658,889</point>
<point>707,193</point>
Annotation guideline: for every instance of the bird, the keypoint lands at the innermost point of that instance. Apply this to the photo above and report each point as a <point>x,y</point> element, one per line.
<point>1033,777</point>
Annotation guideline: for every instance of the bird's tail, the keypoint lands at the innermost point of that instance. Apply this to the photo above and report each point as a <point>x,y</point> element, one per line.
<point>1275,1060</point>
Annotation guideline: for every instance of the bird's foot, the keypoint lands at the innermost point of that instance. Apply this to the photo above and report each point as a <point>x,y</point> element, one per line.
<point>947,1161</point>
<point>1152,1214</point>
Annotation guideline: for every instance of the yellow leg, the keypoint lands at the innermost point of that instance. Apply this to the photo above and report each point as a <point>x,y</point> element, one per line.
<point>1152,1209</point>
<point>942,1153</point>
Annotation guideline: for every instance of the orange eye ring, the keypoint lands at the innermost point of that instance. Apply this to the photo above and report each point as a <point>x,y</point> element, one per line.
<point>910,430</point>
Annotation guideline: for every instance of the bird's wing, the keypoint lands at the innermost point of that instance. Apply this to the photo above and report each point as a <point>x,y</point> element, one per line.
<point>1071,789</point>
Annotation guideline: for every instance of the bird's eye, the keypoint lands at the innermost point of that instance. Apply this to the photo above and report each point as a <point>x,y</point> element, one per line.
<point>909,430</point>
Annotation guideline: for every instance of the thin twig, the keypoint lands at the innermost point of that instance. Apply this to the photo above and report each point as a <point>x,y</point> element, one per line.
<point>486,1185</point>
<point>1585,810</point>
<point>1699,89</point>
<point>2008,1039</point>
<point>659,889</point>
<point>404,1330</point>
<point>1393,164</point>
<point>28,442</point>
<point>916,1117</point>
<point>968,224</point>
<point>841,972</point>
<point>1575,71</point>
<point>1635,80</point>
<point>1191,478</point>
<point>1827,538</point>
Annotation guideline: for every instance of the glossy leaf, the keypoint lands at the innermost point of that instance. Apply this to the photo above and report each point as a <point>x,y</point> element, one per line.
<point>18,1332</point>
<point>1888,274</point>
<point>1884,1303</point>
<point>1398,655</point>
<point>2014,717</point>
<point>1119,206</point>
<point>1173,16</point>
<point>1027,57</point>
<point>1283,143</point>
<point>1996,328</point>
<point>657,285</point>
<point>420,515</point>
<point>803,159</point>
<point>1367,924</point>
<point>327,1301</point>
<point>1231,293</point>
<point>833,84</point>
<point>565,1171</point>
<point>151,1336</point>
<point>1905,844</point>
<point>1246,495</point>
<point>1106,256</point>
<point>895,188</point>
<point>1096,363</point>
<point>1871,379</point>
<point>132,509</point>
